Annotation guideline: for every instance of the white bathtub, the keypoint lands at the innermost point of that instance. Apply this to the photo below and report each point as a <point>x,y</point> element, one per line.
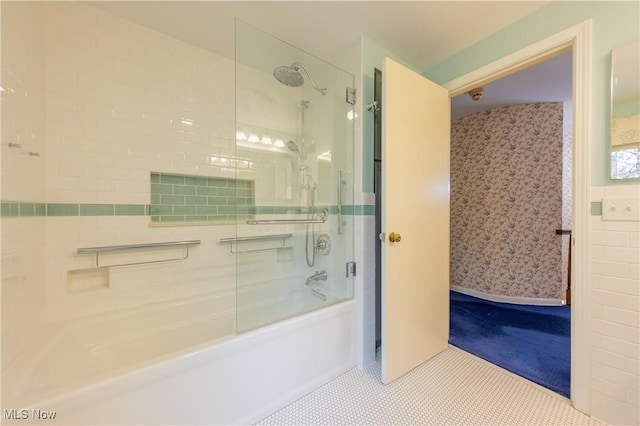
<point>133,368</point>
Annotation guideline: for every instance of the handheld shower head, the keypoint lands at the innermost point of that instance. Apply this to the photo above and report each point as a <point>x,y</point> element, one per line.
<point>291,76</point>
<point>293,147</point>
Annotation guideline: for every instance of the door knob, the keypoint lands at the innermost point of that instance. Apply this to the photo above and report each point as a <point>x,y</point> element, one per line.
<point>394,238</point>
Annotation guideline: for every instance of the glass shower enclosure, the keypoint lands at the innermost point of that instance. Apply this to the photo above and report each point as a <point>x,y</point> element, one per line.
<point>294,186</point>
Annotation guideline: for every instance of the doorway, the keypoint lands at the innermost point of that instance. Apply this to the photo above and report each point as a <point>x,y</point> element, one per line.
<point>577,39</point>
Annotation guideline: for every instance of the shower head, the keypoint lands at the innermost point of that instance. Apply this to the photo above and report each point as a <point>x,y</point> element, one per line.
<point>291,76</point>
<point>288,76</point>
<point>293,147</point>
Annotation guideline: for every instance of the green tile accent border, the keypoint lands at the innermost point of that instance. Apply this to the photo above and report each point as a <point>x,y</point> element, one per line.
<point>199,209</point>
<point>63,209</point>
<point>185,198</point>
<point>31,209</point>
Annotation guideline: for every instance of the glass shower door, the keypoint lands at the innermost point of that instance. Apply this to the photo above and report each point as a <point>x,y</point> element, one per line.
<point>294,190</point>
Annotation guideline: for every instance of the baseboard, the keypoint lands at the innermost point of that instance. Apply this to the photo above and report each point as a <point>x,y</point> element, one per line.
<point>507,299</point>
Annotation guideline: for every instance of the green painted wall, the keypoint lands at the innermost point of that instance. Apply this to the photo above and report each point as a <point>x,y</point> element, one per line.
<point>614,23</point>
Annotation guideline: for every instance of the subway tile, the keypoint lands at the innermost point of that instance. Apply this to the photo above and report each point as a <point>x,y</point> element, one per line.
<point>622,254</point>
<point>348,209</point>
<point>184,190</point>
<point>160,189</point>
<point>207,190</point>
<point>265,210</point>
<point>27,209</point>
<point>244,210</point>
<point>172,218</point>
<point>620,316</point>
<point>218,201</point>
<point>172,179</point>
<point>96,209</point>
<point>184,210</point>
<point>596,208</point>
<point>41,209</point>
<point>208,210</point>
<point>613,390</point>
<point>195,180</point>
<point>605,238</point>
<point>610,269</point>
<point>607,358</point>
<point>217,182</point>
<point>130,210</point>
<point>55,209</point>
<point>14,209</point>
<point>229,192</point>
<point>161,210</point>
<point>173,199</point>
<point>195,200</point>
<point>243,192</point>
<point>227,209</point>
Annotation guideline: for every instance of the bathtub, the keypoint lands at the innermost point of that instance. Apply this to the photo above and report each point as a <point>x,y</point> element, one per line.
<point>182,363</point>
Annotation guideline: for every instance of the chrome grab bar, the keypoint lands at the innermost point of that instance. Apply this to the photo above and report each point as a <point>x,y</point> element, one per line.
<point>253,238</point>
<point>285,221</point>
<point>111,249</point>
<point>319,217</point>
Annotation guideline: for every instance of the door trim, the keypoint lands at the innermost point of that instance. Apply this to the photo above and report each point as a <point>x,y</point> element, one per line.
<point>577,39</point>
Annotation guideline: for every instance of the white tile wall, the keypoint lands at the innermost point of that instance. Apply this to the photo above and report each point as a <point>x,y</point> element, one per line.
<point>23,176</point>
<point>615,314</point>
<point>116,95</point>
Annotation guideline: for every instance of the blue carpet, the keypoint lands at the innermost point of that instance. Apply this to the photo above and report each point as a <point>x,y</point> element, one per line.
<point>531,341</point>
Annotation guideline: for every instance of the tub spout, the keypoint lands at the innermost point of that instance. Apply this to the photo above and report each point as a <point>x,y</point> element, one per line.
<point>318,276</point>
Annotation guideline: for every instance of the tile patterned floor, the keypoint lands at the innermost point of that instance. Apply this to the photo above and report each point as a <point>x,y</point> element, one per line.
<point>453,388</point>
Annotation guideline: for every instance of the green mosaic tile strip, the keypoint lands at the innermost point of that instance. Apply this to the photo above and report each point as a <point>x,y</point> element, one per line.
<point>41,209</point>
<point>368,210</point>
<point>195,208</point>
<point>63,209</point>
<point>96,209</point>
<point>8,209</point>
<point>28,209</point>
<point>130,210</point>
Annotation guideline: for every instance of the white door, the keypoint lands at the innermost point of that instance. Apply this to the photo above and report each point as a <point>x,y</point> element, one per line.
<point>415,206</point>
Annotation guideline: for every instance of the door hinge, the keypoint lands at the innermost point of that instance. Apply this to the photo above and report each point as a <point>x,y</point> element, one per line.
<point>351,96</point>
<point>351,269</point>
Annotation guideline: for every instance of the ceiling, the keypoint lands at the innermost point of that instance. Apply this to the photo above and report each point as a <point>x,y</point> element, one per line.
<point>422,33</point>
<point>548,81</point>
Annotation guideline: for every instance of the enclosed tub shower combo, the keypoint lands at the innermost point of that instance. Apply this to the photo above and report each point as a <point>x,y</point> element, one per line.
<point>226,292</point>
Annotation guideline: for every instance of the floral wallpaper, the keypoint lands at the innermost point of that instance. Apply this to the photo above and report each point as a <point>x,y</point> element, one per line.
<point>506,201</point>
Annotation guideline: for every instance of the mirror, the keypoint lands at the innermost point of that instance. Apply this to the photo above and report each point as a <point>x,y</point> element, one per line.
<point>625,111</point>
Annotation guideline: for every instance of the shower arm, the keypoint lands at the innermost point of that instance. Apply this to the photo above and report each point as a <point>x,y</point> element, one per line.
<point>297,66</point>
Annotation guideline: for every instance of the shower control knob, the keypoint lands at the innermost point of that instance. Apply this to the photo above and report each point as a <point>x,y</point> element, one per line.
<point>394,238</point>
